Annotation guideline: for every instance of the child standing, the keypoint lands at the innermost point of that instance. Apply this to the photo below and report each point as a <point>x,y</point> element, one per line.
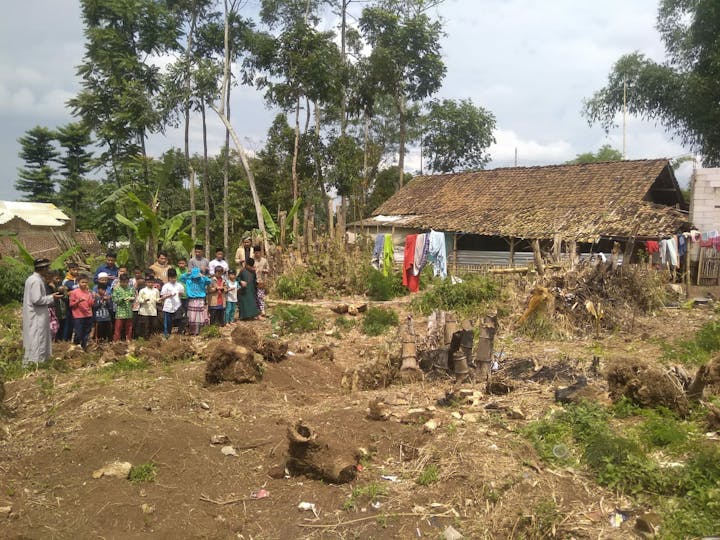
<point>216,297</point>
<point>262,271</point>
<point>147,299</point>
<point>171,294</point>
<point>195,286</point>
<point>81,306</point>
<point>231,296</point>
<point>102,308</point>
<point>123,298</point>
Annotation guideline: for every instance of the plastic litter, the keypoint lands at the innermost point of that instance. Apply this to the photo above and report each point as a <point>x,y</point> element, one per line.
<point>617,518</point>
<point>560,451</point>
<point>305,506</point>
<point>451,533</point>
<point>389,477</point>
<point>260,494</point>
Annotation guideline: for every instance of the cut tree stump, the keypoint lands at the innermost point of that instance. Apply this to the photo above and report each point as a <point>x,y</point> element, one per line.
<point>320,459</point>
<point>229,362</point>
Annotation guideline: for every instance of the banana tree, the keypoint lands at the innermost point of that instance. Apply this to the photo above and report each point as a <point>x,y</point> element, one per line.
<point>273,229</point>
<point>25,258</point>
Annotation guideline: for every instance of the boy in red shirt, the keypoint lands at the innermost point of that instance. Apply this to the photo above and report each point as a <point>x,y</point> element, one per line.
<point>81,306</point>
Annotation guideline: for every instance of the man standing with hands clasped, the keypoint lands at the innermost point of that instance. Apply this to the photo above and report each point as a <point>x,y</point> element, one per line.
<point>37,339</point>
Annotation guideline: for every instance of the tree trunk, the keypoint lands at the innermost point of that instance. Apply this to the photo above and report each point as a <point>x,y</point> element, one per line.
<point>329,460</point>
<point>538,257</point>
<point>191,175</point>
<point>403,137</point>
<point>226,178</point>
<point>296,150</point>
<point>205,175</point>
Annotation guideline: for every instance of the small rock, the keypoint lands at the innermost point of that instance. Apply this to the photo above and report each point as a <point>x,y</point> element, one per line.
<point>113,433</point>
<point>277,472</point>
<point>116,469</point>
<point>5,510</point>
<point>225,413</point>
<point>472,418</point>
<point>147,509</point>
<point>516,414</point>
<point>228,451</point>
<point>430,426</point>
<point>204,405</point>
<point>219,439</point>
<point>49,423</point>
<point>456,415</point>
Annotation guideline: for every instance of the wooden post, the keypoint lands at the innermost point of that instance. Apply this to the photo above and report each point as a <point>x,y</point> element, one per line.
<point>512,251</point>
<point>483,354</point>
<point>538,257</point>
<point>455,254</point>
<point>311,227</point>
<point>572,251</point>
<point>331,226</point>
<point>557,248</point>
<point>283,225</point>
<point>304,244</point>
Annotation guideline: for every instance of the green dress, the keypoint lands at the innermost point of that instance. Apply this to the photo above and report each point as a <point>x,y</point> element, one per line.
<point>247,299</point>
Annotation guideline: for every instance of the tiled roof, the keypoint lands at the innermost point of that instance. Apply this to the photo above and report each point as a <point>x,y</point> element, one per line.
<point>38,214</point>
<point>582,202</point>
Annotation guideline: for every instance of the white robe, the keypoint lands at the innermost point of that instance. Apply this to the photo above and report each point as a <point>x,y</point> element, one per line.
<point>37,339</point>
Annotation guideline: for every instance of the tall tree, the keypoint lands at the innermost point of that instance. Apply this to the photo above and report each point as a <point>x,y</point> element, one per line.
<point>76,161</point>
<point>36,178</point>
<point>456,135</point>
<point>405,62</point>
<point>604,153</point>
<point>119,88</point>
<point>683,92</point>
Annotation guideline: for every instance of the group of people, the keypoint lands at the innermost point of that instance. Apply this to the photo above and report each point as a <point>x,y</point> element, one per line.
<point>113,305</point>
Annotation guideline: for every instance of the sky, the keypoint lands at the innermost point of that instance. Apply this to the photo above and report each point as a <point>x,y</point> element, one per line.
<point>530,63</point>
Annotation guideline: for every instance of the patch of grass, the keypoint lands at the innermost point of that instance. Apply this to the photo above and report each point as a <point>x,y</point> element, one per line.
<point>429,475</point>
<point>541,328</point>
<point>469,298</point>
<point>542,521</point>
<point>663,430</point>
<point>210,331</point>
<point>345,323</point>
<point>300,284</point>
<point>696,350</point>
<point>125,364</point>
<point>294,319</point>
<point>382,287</point>
<point>365,494</point>
<point>377,320</point>
<point>145,472</point>
<point>46,384</point>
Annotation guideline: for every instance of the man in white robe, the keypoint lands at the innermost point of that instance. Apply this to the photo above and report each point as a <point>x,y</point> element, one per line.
<point>37,339</point>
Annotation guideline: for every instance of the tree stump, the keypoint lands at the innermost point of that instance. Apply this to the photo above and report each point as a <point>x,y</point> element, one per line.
<point>229,362</point>
<point>315,458</point>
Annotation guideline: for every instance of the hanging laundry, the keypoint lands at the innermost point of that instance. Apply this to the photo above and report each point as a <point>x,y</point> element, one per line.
<point>668,252</point>
<point>695,235</point>
<point>388,257</point>
<point>420,256</point>
<point>682,245</point>
<point>436,254</point>
<point>376,259</point>
<point>652,247</point>
<point>409,279</point>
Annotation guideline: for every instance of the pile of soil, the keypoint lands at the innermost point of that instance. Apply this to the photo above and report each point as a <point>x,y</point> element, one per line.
<point>158,350</point>
<point>373,375</point>
<point>230,362</point>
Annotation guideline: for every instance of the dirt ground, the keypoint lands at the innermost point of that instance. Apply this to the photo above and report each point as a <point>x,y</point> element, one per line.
<point>58,428</point>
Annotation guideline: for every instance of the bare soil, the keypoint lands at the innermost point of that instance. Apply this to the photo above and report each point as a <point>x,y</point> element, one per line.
<point>58,428</point>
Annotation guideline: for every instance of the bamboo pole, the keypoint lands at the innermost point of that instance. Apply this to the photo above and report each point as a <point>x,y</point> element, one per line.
<point>455,254</point>
<point>512,251</point>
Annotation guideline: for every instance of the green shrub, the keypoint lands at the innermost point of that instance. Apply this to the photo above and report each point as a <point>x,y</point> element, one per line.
<point>300,284</point>
<point>12,280</point>
<point>145,472</point>
<point>345,323</point>
<point>468,298</point>
<point>11,351</point>
<point>382,287</point>
<point>663,430</point>
<point>294,319</point>
<point>698,349</point>
<point>377,320</point>
<point>429,475</point>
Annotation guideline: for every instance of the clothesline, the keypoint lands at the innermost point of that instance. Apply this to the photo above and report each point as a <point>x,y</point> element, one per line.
<point>420,249</point>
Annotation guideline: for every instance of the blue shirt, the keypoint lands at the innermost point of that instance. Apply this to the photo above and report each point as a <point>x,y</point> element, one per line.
<point>195,283</point>
<point>108,270</point>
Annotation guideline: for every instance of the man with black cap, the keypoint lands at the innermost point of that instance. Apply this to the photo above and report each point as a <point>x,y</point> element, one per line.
<point>199,261</point>
<point>37,339</point>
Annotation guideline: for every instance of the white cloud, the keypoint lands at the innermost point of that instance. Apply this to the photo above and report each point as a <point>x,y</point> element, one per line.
<point>529,152</point>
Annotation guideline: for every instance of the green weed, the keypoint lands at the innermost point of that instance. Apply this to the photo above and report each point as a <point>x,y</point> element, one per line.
<point>469,298</point>
<point>210,331</point>
<point>345,323</point>
<point>300,284</point>
<point>696,350</point>
<point>145,472</point>
<point>125,364</point>
<point>377,320</point>
<point>542,521</point>
<point>429,475</point>
<point>382,287</point>
<point>365,494</point>
<point>294,319</point>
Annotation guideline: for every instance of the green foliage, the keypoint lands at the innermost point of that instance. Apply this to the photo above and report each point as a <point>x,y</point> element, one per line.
<point>698,349</point>
<point>429,475</point>
<point>365,494</point>
<point>36,178</point>
<point>377,320</point>
<point>663,430</point>
<point>457,135</point>
<point>300,284</point>
<point>605,153</point>
<point>12,280</point>
<point>145,472</point>
<point>382,287</point>
<point>294,319</point>
<point>541,522</point>
<point>469,298</point>
<point>273,229</point>
<point>680,92</point>
<point>345,323</point>
<point>210,331</point>
<point>126,364</point>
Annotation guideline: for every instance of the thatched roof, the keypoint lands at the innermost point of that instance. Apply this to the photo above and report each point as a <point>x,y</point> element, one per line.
<point>616,199</point>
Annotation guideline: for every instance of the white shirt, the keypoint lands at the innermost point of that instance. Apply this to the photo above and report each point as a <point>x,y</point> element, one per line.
<point>147,298</point>
<point>231,295</point>
<point>215,263</point>
<point>172,303</point>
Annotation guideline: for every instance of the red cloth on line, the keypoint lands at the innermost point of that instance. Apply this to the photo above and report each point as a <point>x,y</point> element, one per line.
<point>652,246</point>
<point>410,281</point>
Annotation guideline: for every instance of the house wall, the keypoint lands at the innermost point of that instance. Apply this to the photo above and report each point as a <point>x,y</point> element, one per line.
<point>705,205</point>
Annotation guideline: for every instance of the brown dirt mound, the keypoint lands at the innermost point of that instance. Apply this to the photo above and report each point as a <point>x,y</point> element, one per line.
<point>273,351</point>
<point>230,362</point>
<point>374,375</point>
<point>245,337</point>
<point>175,349</point>
<point>324,354</point>
<point>646,386</point>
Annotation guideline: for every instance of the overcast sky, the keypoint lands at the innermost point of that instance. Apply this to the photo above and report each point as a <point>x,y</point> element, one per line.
<point>529,62</point>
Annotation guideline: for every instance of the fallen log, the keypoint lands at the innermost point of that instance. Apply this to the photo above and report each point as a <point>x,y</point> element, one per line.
<point>316,458</point>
